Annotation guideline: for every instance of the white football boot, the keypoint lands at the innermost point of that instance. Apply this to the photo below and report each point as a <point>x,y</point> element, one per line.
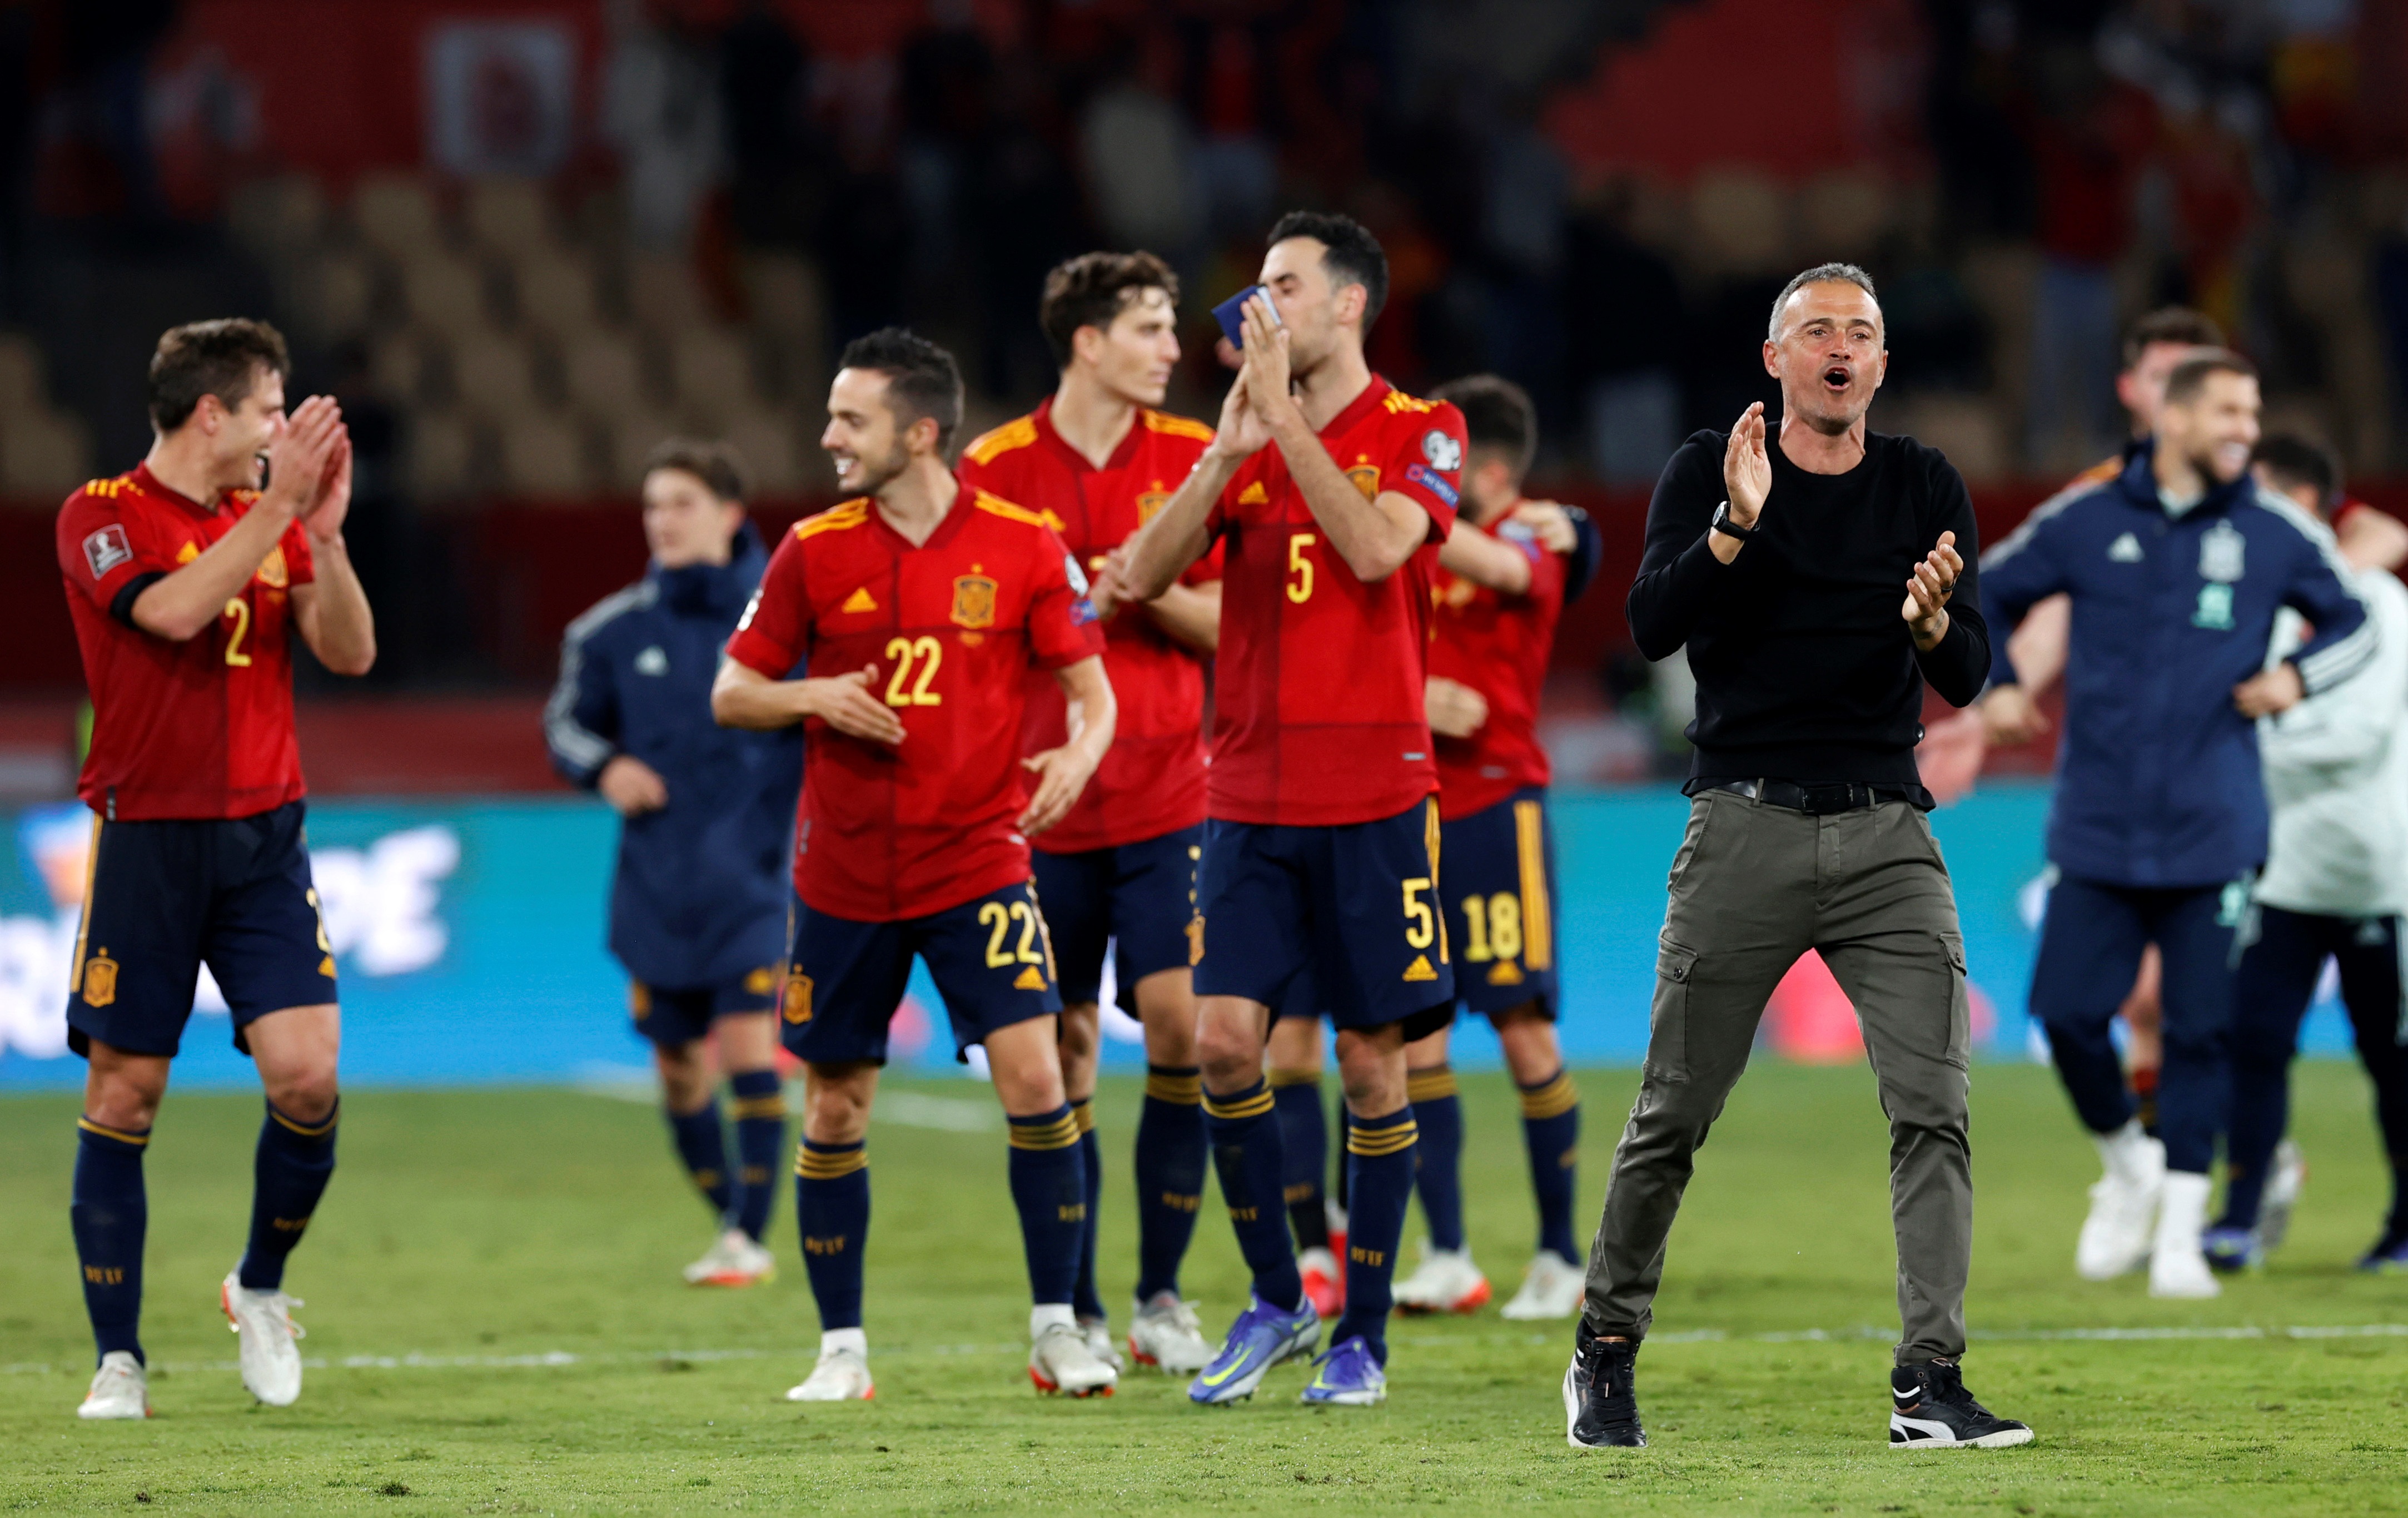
<point>1166,1333</point>
<point>1446,1280</point>
<point>734,1260</point>
<point>1097,1331</point>
<point>2284,1180</point>
<point>842,1374</point>
<point>1553,1287</point>
<point>120,1388</point>
<point>2177,1265</point>
<point>1059,1359</point>
<point>270,1358</point>
<point>2116,1235</point>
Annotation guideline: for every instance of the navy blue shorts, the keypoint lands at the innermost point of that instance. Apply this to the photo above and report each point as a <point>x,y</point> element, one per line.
<point>844,979</point>
<point>674,1016</point>
<point>1354,910</point>
<point>165,897</point>
<point>1500,885</point>
<point>1139,898</point>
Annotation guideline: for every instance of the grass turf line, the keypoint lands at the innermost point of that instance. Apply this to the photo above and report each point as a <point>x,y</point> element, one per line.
<point>513,1225</point>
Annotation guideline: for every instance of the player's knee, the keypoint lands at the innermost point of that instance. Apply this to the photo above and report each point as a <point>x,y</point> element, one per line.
<point>836,1102</point>
<point>1228,1055</point>
<point>122,1101</point>
<point>305,1095</point>
<point>1080,1037</point>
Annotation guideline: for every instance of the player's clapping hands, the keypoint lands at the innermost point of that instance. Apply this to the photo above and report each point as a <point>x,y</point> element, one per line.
<point>1551,526</point>
<point>844,703</point>
<point>1928,591</point>
<point>302,457</point>
<point>1262,382</point>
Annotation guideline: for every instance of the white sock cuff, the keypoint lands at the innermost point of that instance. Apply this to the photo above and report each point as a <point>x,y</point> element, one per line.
<point>845,1338</point>
<point>1045,1315</point>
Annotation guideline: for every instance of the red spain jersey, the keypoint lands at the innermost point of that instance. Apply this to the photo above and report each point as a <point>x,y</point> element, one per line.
<point>1152,782</point>
<point>890,831</point>
<point>1497,645</point>
<point>196,730</point>
<point>1317,713</point>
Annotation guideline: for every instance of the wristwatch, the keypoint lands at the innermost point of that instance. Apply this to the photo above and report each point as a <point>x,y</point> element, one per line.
<point>1723,524</point>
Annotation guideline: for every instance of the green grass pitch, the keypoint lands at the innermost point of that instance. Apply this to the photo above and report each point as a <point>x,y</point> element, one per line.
<point>497,1325</point>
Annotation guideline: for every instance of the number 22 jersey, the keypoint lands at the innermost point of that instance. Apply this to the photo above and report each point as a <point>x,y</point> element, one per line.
<point>949,629</point>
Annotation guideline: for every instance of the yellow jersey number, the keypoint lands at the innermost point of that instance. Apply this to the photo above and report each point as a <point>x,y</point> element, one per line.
<point>928,654</point>
<point>239,610</point>
<point>1299,569</point>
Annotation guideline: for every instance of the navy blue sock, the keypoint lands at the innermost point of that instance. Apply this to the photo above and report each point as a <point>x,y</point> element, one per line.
<point>1083,1300</point>
<point>1170,1149</point>
<point>1049,1185</point>
<point>760,1108</point>
<point>1551,1132</point>
<point>295,1161</point>
<point>1304,1140</point>
<point>1438,1169</point>
<point>109,1214</point>
<point>1380,1170</point>
<point>703,1149</point>
<point>1248,1159</point>
<point>832,1214</point>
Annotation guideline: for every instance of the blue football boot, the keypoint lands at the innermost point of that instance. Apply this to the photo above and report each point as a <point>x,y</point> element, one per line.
<point>1349,1377</point>
<point>2389,1257</point>
<point>1262,1337</point>
<point>2231,1251</point>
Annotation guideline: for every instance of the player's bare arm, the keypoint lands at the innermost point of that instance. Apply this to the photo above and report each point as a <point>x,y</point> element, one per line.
<point>2011,714</point>
<point>1550,522</point>
<point>1747,479</point>
<point>743,697</point>
<point>332,611</point>
<point>1483,560</point>
<point>179,606</point>
<point>1374,537</point>
<point>1927,590</point>
<point>1063,772</point>
<point>1455,709</point>
<point>1161,551</point>
<point>1191,614</point>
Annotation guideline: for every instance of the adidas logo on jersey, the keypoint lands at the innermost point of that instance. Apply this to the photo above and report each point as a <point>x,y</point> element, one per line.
<point>1420,969</point>
<point>2124,550</point>
<point>1030,979</point>
<point>860,601</point>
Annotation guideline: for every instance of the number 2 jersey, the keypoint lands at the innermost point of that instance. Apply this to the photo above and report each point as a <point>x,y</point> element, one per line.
<point>948,630</point>
<point>1318,718</point>
<point>1153,781</point>
<point>196,730</point>
<point>1498,645</point>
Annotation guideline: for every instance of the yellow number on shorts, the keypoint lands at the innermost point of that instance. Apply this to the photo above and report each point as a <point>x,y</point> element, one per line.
<point>1505,925</point>
<point>239,610</point>
<point>928,653</point>
<point>997,957</point>
<point>1000,918</point>
<point>1421,924</point>
<point>1475,921</point>
<point>1301,589</point>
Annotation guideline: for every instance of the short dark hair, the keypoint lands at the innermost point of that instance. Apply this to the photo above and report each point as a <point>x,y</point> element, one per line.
<point>1819,274</point>
<point>922,379</point>
<point>2170,323</point>
<point>1093,289</point>
<point>2293,460</point>
<point>221,358</point>
<point>1351,254</point>
<point>1496,416</point>
<point>720,468</point>
<point>2190,376</point>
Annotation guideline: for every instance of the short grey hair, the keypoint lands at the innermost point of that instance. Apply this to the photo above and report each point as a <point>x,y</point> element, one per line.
<point>1819,274</point>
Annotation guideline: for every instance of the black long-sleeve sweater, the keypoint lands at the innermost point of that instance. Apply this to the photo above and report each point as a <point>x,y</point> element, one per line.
<point>1805,669</point>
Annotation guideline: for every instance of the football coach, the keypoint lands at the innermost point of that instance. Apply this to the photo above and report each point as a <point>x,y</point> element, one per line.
<point>1818,575</point>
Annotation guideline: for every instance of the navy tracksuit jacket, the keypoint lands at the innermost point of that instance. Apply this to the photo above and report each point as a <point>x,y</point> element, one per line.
<point>699,896</point>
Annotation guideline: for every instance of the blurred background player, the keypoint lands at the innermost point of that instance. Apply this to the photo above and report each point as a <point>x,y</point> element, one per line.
<point>1330,491</point>
<point>185,580</point>
<point>2176,571</point>
<point>2336,882</point>
<point>1501,585</point>
<point>934,598</point>
<point>698,897</point>
<point>1096,459</point>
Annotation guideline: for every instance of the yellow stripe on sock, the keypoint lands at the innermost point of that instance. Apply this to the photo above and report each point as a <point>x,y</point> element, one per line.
<point>137,1140</point>
<point>1059,1134</point>
<point>1551,1100</point>
<point>828,1164</point>
<point>757,1106</point>
<point>1237,1106</point>
<point>1372,1143</point>
<point>1180,1090</point>
<point>1294,1077</point>
<point>307,1130</point>
<point>1537,916</point>
<point>1430,1085</point>
<point>1083,1114</point>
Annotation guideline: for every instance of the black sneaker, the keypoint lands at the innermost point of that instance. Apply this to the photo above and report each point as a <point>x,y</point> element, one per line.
<point>1600,1408</point>
<point>1930,1410</point>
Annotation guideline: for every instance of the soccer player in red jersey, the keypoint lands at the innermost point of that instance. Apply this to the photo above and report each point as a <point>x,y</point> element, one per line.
<point>1096,459</point>
<point>917,607</point>
<point>185,581</point>
<point>1329,491</point>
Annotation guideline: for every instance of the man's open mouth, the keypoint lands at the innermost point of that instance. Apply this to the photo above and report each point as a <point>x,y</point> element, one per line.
<point>1838,377</point>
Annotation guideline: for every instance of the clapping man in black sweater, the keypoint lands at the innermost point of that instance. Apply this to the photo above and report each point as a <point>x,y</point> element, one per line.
<point>1818,578</point>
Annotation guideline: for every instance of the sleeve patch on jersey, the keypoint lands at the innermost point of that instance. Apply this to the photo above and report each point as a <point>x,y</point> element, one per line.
<point>106,549</point>
<point>1077,576</point>
<point>1442,451</point>
<point>1433,481</point>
